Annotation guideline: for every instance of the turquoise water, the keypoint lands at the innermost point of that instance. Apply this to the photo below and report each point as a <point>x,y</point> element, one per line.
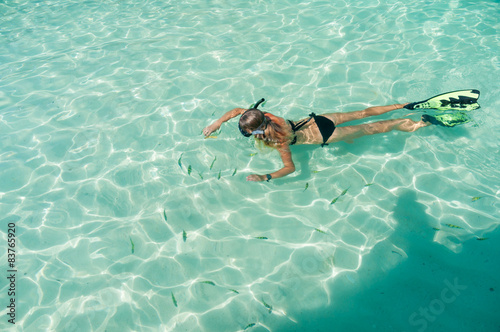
<point>101,100</point>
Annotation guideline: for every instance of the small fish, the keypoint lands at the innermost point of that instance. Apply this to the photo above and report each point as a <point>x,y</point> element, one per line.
<point>476,198</point>
<point>189,170</point>
<point>173,299</point>
<point>314,171</point>
<point>184,235</point>
<point>234,291</point>
<point>269,307</point>
<point>249,326</point>
<point>165,214</point>
<point>307,186</point>
<point>395,252</point>
<point>212,164</point>
<point>179,162</point>
<point>341,194</point>
<point>234,173</point>
<point>213,113</point>
<point>368,184</point>
<point>261,238</point>
<point>344,192</point>
<point>436,229</point>
<point>453,226</point>
<point>481,238</point>
<point>132,244</point>
<point>208,282</point>
<point>201,175</point>
<point>253,154</point>
<point>218,176</point>
<point>319,230</point>
<point>210,136</point>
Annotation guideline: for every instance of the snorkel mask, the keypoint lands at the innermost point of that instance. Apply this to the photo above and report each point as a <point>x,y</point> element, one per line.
<point>260,129</point>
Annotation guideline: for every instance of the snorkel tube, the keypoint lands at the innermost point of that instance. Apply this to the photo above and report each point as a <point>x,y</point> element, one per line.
<point>256,106</point>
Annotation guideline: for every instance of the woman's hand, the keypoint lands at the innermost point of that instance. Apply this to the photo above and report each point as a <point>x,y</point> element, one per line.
<point>210,129</point>
<point>256,177</point>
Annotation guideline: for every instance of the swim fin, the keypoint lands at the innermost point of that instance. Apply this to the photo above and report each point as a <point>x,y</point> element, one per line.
<point>464,100</point>
<point>447,120</point>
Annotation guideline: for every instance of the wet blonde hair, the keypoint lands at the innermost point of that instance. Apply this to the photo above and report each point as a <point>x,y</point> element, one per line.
<point>274,135</point>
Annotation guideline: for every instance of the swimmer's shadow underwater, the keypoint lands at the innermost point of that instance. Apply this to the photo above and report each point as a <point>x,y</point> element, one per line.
<point>303,158</point>
<point>375,146</point>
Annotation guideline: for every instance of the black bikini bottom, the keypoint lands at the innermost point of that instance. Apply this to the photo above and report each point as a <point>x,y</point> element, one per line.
<point>326,127</point>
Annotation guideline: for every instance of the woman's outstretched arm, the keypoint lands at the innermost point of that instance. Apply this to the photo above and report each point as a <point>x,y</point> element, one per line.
<point>228,116</point>
<point>288,166</point>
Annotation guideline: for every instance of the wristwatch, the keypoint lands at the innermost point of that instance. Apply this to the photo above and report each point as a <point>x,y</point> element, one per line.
<point>269,177</point>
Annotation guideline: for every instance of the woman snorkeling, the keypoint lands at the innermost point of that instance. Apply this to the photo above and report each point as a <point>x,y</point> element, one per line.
<point>322,129</point>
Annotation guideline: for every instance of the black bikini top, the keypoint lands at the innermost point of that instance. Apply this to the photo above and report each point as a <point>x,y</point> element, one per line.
<point>300,124</point>
<point>296,126</point>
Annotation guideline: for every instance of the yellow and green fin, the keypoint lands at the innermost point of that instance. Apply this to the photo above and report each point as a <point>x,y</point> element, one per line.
<point>463,100</point>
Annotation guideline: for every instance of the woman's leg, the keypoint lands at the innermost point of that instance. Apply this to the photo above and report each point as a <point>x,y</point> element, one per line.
<point>339,118</point>
<point>349,133</point>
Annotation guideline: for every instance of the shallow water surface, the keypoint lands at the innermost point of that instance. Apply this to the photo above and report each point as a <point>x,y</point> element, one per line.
<point>126,218</point>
